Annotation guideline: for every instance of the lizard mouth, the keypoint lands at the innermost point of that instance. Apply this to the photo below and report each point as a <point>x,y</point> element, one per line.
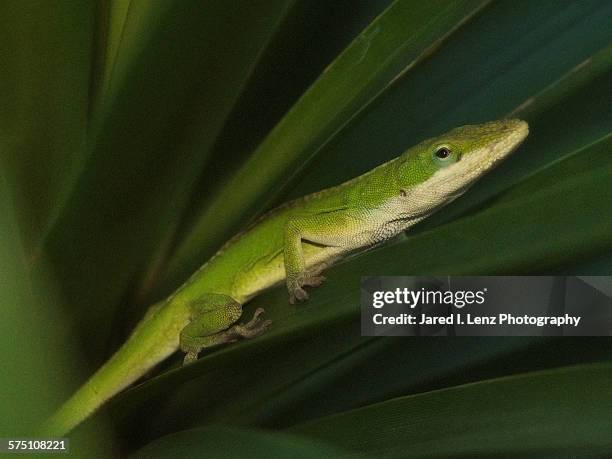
<point>510,138</point>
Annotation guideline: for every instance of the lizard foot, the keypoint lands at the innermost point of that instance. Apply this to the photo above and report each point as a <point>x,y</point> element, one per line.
<point>297,294</point>
<point>252,328</point>
<point>190,356</point>
<point>296,291</point>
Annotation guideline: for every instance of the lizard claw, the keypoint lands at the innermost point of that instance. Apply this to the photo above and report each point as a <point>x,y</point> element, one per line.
<point>313,281</point>
<point>190,356</point>
<point>297,295</point>
<point>296,290</point>
<point>258,312</point>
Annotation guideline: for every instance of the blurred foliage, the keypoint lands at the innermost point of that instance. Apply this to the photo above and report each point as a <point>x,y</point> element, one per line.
<point>136,136</point>
<point>39,357</point>
<point>495,418</point>
<point>46,56</point>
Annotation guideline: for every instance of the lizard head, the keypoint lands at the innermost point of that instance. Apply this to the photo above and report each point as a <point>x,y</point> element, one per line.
<point>440,169</point>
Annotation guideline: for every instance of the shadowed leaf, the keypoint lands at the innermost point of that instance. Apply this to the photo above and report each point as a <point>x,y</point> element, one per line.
<point>509,416</point>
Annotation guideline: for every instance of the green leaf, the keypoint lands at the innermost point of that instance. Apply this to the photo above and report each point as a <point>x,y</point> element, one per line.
<point>117,30</point>
<point>563,411</point>
<point>226,442</point>
<point>401,366</point>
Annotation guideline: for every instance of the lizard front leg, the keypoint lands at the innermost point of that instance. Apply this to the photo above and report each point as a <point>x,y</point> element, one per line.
<point>211,325</point>
<point>318,229</point>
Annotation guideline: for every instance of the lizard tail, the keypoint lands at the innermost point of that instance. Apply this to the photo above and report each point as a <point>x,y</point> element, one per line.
<point>153,339</point>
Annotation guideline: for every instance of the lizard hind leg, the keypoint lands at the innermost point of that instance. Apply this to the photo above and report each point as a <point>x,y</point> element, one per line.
<point>213,316</point>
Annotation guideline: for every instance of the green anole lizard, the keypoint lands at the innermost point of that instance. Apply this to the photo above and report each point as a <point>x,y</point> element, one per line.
<point>294,243</point>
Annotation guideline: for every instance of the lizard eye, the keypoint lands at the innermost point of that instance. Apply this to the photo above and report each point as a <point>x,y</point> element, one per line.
<point>442,153</point>
<point>444,156</point>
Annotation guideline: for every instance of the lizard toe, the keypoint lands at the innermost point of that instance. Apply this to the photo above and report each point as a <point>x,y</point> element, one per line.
<point>298,295</point>
<point>313,281</point>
